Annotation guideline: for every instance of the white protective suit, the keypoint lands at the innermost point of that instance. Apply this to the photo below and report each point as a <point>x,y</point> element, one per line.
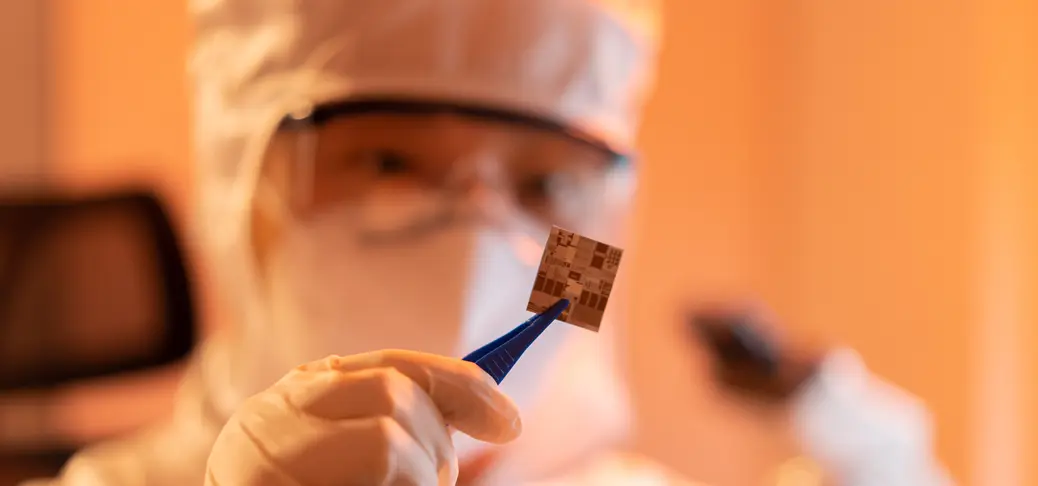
<point>588,63</point>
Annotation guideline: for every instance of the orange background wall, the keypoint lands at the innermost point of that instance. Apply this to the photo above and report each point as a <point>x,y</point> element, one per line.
<point>21,93</point>
<point>119,106</point>
<point>869,169</point>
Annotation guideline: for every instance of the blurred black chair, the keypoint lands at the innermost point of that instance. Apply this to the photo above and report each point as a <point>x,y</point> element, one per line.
<point>90,289</point>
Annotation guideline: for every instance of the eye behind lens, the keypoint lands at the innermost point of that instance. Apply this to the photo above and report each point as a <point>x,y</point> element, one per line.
<point>388,162</point>
<point>537,187</point>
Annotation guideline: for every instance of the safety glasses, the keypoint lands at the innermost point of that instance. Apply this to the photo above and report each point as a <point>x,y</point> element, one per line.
<point>420,163</point>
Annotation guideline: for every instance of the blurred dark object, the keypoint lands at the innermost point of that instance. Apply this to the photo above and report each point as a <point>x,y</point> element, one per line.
<point>95,302</point>
<point>89,288</point>
<point>747,358</point>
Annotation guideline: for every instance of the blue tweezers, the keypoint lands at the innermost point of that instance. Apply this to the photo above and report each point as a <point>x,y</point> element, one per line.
<point>498,357</point>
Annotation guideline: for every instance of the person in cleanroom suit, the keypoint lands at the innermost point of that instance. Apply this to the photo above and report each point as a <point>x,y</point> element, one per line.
<point>381,175</point>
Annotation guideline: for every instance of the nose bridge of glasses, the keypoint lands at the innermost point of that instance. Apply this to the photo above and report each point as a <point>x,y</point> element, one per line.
<point>478,172</point>
<point>477,184</point>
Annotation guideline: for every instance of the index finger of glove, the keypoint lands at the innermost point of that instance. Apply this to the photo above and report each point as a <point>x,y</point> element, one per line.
<point>465,395</point>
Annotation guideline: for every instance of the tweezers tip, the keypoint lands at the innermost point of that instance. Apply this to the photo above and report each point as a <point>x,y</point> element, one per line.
<point>557,307</point>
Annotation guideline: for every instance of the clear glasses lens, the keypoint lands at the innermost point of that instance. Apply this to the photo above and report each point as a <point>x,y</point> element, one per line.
<point>412,168</point>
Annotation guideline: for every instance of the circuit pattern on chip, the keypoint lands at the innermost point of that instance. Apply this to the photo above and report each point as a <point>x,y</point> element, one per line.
<point>577,268</point>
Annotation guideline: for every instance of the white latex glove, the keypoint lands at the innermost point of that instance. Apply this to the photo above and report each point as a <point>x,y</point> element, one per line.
<point>377,418</point>
<point>865,431</point>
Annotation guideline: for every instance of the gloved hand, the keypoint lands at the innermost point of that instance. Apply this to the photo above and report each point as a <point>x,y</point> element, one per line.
<point>862,430</point>
<point>377,418</point>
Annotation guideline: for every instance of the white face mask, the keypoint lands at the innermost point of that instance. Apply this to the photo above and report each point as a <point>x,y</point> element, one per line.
<point>448,291</point>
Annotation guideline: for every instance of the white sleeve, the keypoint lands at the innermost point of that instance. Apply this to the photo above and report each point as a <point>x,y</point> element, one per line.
<point>865,431</point>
